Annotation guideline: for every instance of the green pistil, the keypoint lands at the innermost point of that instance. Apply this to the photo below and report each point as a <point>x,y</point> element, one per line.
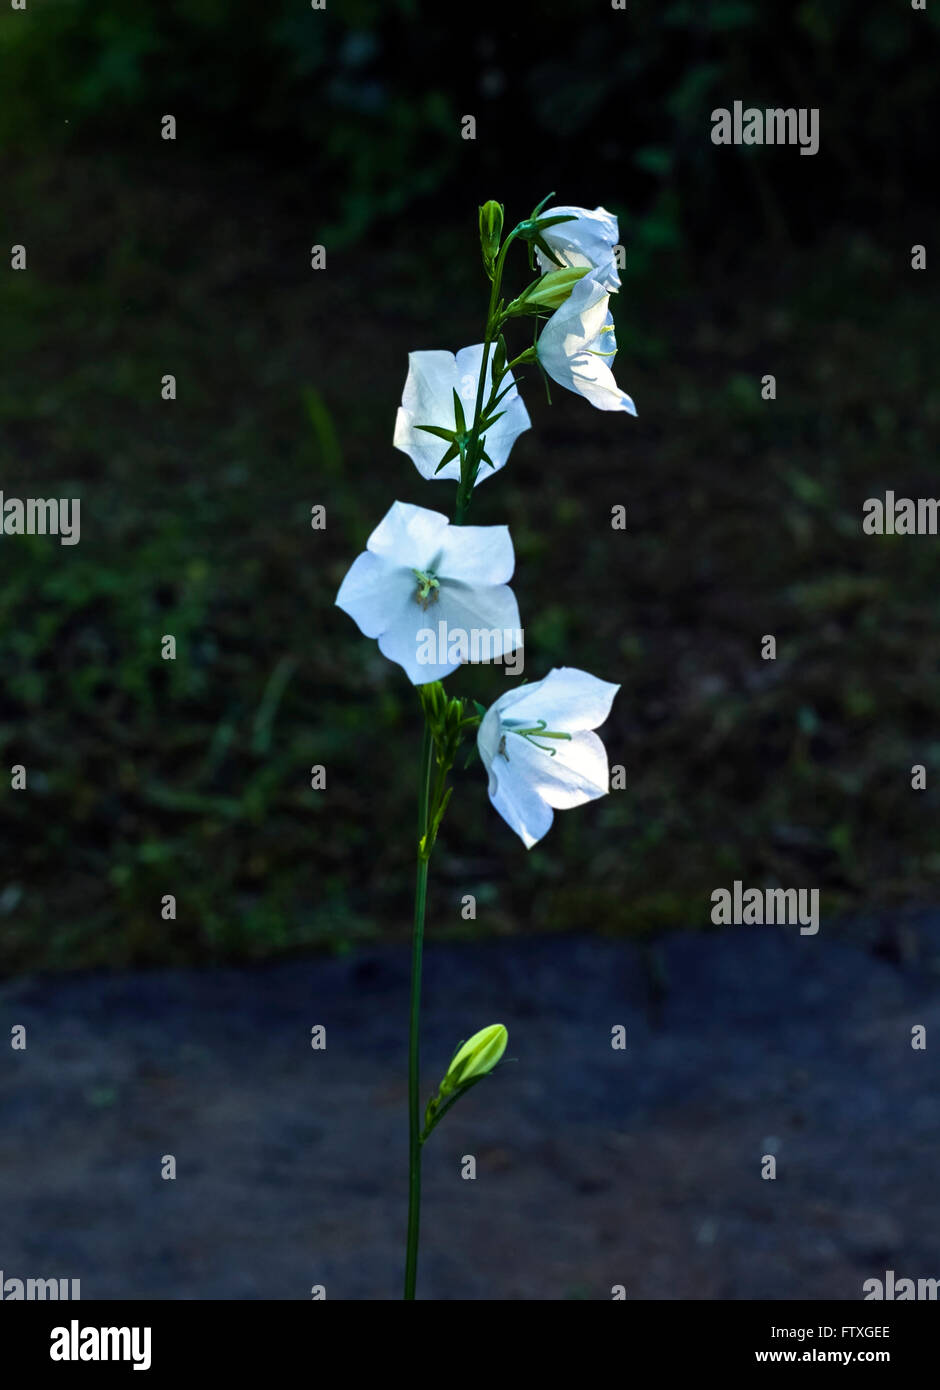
<point>428,588</point>
<point>595,352</point>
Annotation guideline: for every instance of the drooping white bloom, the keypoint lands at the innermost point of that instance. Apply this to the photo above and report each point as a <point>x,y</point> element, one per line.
<point>577,346</point>
<point>427,590</point>
<point>539,753</point>
<point>428,399</point>
<point>587,241</point>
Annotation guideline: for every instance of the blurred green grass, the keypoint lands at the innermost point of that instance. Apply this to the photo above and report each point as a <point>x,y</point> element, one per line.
<point>149,777</point>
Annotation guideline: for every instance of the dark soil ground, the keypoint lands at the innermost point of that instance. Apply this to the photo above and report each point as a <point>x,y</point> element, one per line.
<point>595,1167</point>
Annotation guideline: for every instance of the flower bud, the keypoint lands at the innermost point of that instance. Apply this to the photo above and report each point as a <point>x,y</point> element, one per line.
<point>476,1058</point>
<point>491,230</point>
<point>549,292</point>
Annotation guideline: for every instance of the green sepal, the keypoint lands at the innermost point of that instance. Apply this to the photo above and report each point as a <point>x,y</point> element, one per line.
<point>545,379</point>
<point>438,430</point>
<point>498,365</point>
<point>539,206</point>
<point>548,293</point>
<point>544,222</point>
<point>458,414</point>
<point>437,1108</point>
<point>451,454</point>
<point>547,252</point>
<point>502,395</point>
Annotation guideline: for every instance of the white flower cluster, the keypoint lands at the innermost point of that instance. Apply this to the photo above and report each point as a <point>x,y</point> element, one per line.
<point>535,741</point>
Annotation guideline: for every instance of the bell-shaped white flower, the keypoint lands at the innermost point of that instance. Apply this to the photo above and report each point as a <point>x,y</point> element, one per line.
<point>428,399</point>
<point>427,590</point>
<point>577,346</point>
<point>589,241</point>
<point>539,753</point>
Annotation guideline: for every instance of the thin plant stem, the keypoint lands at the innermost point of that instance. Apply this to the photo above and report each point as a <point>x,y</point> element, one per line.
<point>464,493</point>
<point>414,1073</point>
<point>465,486</point>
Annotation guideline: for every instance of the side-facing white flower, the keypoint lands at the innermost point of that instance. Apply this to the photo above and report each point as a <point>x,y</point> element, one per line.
<point>424,587</point>
<point>428,399</point>
<point>538,752</point>
<point>587,241</point>
<point>577,346</point>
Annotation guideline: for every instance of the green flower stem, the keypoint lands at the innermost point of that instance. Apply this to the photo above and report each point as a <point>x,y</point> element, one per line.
<point>469,462</point>
<point>523,357</point>
<point>414,1074</point>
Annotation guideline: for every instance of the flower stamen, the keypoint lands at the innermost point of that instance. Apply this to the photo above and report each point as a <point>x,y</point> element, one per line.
<point>532,735</point>
<point>428,588</point>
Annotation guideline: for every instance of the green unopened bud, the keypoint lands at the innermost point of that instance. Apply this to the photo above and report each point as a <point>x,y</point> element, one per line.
<point>548,292</point>
<point>491,230</point>
<point>498,365</point>
<point>476,1058</point>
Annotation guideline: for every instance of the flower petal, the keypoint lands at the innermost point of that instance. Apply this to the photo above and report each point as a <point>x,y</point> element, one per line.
<point>592,378</point>
<point>587,241</point>
<point>572,348</point>
<point>484,621</point>
<point>409,535</point>
<point>500,437</point>
<point>476,555</point>
<point>470,614</point>
<point>402,643</point>
<point>520,805</point>
<point>375,592</point>
<point>425,450</point>
<point>578,772</point>
<point>430,381</point>
<point>488,736</point>
<point>568,699</point>
<point>428,399</point>
<point>465,623</point>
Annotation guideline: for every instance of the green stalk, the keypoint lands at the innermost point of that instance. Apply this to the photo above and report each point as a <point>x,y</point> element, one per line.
<point>414,1075</point>
<point>465,487</point>
<point>464,493</point>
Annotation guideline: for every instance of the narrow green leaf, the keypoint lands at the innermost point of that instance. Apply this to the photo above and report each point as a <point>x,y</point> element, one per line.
<point>539,206</point>
<point>544,222</point>
<point>547,251</point>
<point>458,414</point>
<point>451,454</point>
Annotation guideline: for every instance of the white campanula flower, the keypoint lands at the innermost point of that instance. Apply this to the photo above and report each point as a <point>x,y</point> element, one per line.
<point>577,346</point>
<point>428,399</point>
<point>588,241</point>
<point>427,589</point>
<point>539,753</point>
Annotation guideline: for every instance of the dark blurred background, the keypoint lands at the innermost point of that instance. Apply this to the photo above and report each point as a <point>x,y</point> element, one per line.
<point>342,128</point>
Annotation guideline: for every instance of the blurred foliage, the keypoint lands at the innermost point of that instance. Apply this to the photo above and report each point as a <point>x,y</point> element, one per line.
<point>192,777</point>
<point>149,777</point>
<point>364,98</point>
